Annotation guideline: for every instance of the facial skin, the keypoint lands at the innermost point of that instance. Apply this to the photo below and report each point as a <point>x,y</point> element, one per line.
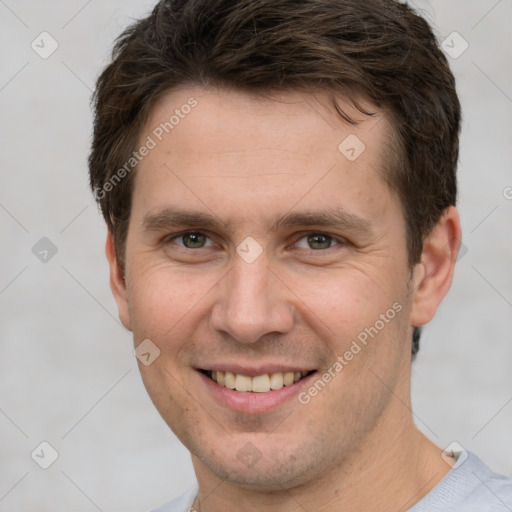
<point>270,169</point>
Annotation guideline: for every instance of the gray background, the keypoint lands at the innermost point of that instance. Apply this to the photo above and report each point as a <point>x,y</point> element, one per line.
<point>67,372</point>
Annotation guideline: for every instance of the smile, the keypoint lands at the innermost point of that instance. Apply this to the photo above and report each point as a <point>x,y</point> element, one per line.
<point>257,384</point>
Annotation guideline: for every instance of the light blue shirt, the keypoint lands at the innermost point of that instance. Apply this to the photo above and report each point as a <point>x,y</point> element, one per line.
<point>470,486</point>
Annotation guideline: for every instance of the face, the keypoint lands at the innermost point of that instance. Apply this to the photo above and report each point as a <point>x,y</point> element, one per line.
<point>263,256</point>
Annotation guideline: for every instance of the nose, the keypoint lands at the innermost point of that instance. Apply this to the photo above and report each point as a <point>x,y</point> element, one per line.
<point>252,302</point>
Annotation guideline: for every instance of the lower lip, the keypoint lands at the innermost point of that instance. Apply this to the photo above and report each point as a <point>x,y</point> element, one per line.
<point>251,402</point>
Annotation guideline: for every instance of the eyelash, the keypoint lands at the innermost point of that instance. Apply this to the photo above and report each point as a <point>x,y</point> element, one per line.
<point>336,240</point>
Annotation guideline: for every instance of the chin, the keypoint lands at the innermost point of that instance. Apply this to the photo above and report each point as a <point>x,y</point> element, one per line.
<point>274,468</point>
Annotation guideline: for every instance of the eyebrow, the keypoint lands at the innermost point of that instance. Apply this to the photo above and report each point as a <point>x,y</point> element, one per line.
<point>331,217</point>
<point>169,218</point>
<point>339,218</point>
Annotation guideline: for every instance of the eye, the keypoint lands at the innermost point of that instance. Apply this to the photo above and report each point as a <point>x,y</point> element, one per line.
<point>192,240</point>
<point>317,241</point>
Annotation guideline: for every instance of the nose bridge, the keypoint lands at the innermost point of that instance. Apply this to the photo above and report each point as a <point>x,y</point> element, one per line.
<point>248,293</point>
<point>252,277</point>
<point>250,304</point>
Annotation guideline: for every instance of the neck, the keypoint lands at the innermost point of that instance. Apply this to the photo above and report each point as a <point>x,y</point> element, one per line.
<point>387,481</point>
<point>392,469</point>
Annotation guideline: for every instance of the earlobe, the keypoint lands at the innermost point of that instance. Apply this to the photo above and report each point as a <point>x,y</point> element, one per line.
<point>433,275</point>
<point>117,282</point>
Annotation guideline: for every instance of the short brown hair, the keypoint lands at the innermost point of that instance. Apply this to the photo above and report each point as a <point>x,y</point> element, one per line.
<point>377,49</point>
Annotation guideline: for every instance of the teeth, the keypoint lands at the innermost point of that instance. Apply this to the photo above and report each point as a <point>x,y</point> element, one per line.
<point>229,379</point>
<point>288,378</point>
<point>259,384</point>
<point>276,381</point>
<point>243,383</point>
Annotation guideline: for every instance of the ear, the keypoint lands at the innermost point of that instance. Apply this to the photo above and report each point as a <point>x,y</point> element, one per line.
<point>433,275</point>
<point>117,284</point>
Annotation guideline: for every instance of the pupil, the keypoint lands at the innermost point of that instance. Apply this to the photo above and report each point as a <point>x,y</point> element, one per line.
<point>194,240</point>
<point>319,241</point>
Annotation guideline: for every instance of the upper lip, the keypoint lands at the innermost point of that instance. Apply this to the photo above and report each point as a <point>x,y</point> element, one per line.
<point>253,371</point>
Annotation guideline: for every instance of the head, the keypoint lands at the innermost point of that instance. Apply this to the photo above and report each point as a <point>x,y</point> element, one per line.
<point>220,131</point>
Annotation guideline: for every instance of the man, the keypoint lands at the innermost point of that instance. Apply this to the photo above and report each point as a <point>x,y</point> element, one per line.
<point>278,180</point>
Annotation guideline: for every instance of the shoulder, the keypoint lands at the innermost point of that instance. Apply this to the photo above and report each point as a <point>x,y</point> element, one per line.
<point>180,504</point>
<point>492,492</point>
<point>469,487</point>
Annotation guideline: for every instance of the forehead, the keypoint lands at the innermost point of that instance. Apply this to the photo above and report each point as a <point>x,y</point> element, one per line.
<point>214,148</point>
<point>221,119</point>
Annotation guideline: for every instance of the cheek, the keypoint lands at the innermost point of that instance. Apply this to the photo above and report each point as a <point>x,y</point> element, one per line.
<point>164,300</point>
<point>346,300</point>
<point>169,394</point>
<point>359,318</point>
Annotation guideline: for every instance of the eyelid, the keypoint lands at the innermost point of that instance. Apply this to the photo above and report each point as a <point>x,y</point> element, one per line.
<point>299,236</point>
<point>174,236</point>
<point>338,239</point>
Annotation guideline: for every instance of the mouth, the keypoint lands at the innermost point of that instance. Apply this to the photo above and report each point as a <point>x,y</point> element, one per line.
<point>264,383</point>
